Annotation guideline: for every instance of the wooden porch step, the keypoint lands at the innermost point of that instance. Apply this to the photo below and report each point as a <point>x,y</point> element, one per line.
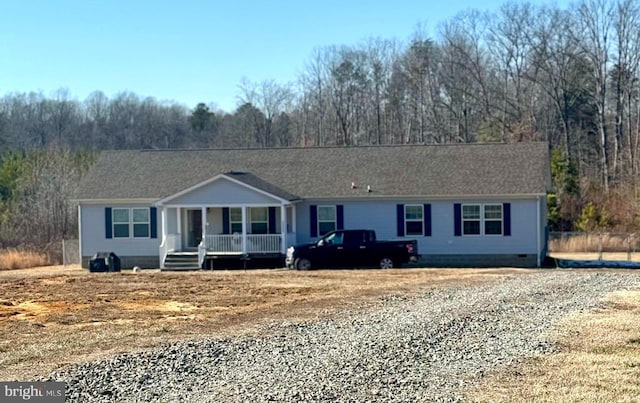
<point>181,261</point>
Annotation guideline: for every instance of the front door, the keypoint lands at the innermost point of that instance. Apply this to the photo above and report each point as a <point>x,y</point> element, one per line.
<point>194,228</point>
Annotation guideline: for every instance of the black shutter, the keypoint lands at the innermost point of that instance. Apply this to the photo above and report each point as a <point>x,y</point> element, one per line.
<point>272,220</point>
<point>225,220</point>
<point>153,217</point>
<point>427,219</point>
<point>457,219</point>
<point>108,228</point>
<point>400,218</point>
<point>340,216</point>
<point>506,210</point>
<point>313,221</point>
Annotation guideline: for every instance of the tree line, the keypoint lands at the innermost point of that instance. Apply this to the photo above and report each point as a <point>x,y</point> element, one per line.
<point>523,72</point>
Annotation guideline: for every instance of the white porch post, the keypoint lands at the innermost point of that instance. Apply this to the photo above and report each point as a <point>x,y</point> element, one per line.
<point>179,231</point>
<point>244,229</point>
<point>204,226</point>
<point>163,215</point>
<point>202,247</point>
<point>283,229</point>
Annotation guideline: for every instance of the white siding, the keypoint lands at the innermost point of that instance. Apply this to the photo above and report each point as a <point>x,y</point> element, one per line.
<point>381,217</point>
<point>222,192</point>
<point>544,229</point>
<point>94,235</point>
<point>172,221</point>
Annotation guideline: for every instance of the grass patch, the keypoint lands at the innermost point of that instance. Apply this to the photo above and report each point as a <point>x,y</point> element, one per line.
<point>599,360</point>
<point>591,242</point>
<point>11,259</point>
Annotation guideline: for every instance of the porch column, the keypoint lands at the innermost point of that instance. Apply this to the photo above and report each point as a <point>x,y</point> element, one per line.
<point>283,229</point>
<point>163,218</point>
<point>244,229</point>
<point>179,220</point>
<point>204,226</point>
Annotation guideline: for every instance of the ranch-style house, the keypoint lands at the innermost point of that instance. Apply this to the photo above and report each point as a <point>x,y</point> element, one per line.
<point>465,204</point>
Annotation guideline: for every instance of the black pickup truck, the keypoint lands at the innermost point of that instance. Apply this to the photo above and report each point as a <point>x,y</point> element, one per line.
<point>351,248</point>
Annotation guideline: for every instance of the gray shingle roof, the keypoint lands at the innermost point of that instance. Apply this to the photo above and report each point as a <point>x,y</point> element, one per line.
<point>291,173</point>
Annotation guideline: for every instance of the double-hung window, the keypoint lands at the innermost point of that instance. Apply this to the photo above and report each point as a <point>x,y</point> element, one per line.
<point>414,219</point>
<point>131,222</point>
<point>259,220</point>
<point>235,220</point>
<point>471,222</point>
<point>493,219</point>
<point>327,219</point>
<point>484,219</point>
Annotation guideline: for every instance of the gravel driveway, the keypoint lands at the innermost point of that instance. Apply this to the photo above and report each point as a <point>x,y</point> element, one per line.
<point>410,349</point>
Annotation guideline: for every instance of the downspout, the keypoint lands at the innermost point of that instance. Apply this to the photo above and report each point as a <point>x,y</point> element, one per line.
<point>538,233</point>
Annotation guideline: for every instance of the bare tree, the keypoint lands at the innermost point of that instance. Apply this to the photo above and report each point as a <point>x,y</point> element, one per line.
<point>592,30</point>
<point>97,116</point>
<point>624,76</point>
<point>271,99</point>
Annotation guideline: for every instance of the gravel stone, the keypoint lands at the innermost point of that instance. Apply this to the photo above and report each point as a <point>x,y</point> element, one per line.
<point>404,349</point>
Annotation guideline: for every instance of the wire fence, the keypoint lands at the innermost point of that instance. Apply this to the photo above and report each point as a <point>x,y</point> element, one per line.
<point>595,245</point>
<point>70,252</point>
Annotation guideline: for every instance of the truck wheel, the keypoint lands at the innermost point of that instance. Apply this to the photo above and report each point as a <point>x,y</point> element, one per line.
<point>386,263</point>
<point>302,264</point>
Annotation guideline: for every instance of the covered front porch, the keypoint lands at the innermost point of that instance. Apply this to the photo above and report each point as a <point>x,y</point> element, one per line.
<point>231,214</point>
<point>243,231</point>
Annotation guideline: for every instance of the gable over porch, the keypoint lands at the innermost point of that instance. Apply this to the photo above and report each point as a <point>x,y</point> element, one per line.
<point>229,214</point>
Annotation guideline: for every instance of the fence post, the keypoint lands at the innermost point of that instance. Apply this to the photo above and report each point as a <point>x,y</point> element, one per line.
<point>64,254</point>
<point>629,247</point>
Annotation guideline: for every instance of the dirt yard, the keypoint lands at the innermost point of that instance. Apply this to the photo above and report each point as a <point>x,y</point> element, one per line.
<point>50,317</point>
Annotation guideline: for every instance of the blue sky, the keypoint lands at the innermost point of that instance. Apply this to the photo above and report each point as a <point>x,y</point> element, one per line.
<point>191,51</point>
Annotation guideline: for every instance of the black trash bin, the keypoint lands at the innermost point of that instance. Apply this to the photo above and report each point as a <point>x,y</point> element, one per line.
<point>104,261</point>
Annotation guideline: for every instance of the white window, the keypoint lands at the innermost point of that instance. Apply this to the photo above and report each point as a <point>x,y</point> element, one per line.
<point>235,220</point>
<point>493,219</point>
<point>259,220</point>
<point>121,222</point>
<point>480,219</point>
<point>327,218</point>
<point>131,222</point>
<point>414,219</point>
<point>471,219</point>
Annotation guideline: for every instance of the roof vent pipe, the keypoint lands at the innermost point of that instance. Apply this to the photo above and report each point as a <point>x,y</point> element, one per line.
<point>353,185</point>
<point>369,188</point>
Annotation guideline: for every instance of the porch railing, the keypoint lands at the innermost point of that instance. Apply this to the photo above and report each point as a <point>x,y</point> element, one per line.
<point>263,243</point>
<point>169,244</point>
<point>172,242</point>
<point>224,243</point>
